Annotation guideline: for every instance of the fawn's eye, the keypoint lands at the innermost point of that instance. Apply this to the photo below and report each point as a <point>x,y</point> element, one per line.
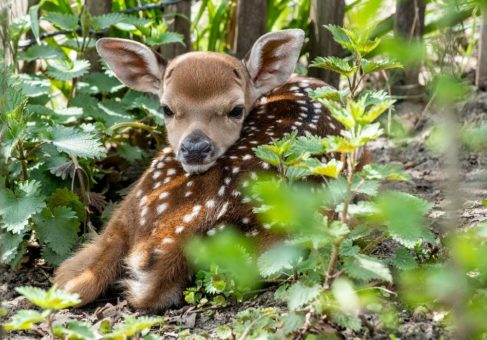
<point>236,113</point>
<point>167,111</point>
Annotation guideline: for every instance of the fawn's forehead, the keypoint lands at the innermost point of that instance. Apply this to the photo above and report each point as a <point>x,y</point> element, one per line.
<point>203,75</point>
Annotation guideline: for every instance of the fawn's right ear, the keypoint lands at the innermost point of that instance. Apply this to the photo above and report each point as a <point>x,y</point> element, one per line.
<point>134,64</point>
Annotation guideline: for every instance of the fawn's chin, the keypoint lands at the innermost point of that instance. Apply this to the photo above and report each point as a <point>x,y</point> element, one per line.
<point>197,168</point>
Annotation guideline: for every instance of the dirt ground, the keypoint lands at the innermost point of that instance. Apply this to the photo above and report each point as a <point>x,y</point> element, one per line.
<point>428,182</point>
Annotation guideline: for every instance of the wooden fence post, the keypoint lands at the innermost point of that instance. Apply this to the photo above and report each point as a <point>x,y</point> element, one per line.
<point>251,24</point>
<point>481,77</point>
<point>324,12</point>
<point>180,25</point>
<point>409,25</point>
<point>96,7</point>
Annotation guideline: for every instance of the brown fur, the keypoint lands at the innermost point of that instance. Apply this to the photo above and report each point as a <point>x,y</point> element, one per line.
<point>168,205</point>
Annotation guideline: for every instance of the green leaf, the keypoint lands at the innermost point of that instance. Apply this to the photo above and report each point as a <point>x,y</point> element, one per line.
<point>75,330</point>
<point>133,326</point>
<point>339,113</point>
<point>75,142</point>
<point>374,66</point>
<point>58,228</point>
<point>62,20</point>
<point>403,214</point>
<point>342,36</point>
<point>292,322</point>
<point>63,70</point>
<point>17,207</point>
<point>277,259</point>
<point>334,64</point>
<point>104,21</point>
<point>165,38</point>
<point>332,168</point>
<point>366,268</point>
<point>267,154</point>
<point>52,299</point>
<point>346,320</point>
<point>34,21</point>
<point>313,145</point>
<point>11,247</point>
<point>25,319</point>
<point>328,92</point>
<point>403,260</point>
<point>367,187</point>
<point>384,172</point>
<point>102,83</point>
<point>41,52</point>
<point>299,294</point>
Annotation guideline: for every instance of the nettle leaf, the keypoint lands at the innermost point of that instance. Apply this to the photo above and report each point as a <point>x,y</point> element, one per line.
<point>375,111</point>
<point>277,259</point>
<point>334,64</point>
<point>133,326</point>
<point>346,320</point>
<point>62,20</point>
<point>403,260</point>
<point>342,36</point>
<point>75,330</point>
<point>104,21</point>
<point>373,66</point>
<point>384,172</point>
<point>300,294</point>
<point>165,38</point>
<point>404,214</point>
<point>102,83</point>
<point>16,207</point>
<point>339,113</point>
<point>58,228</point>
<point>267,154</point>
<point>313,145</point>
<point>367,187</point>
<point>11,247</point>
<point>366,268</point>
<point>64,70</point>
<point>25,319</point>
<point>51,299</point>
<point>40,52</point>
<point>328,92</point>
<point>75,142</point>
<point>332,168</point>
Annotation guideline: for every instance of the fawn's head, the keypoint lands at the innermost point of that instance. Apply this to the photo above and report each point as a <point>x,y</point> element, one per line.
<point>205,95</point>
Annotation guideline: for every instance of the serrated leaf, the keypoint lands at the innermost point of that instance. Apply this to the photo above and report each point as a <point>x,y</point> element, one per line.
<point>342,36</point>
<point>133,326</point>
<point>75,142</point>
<point>332,168</point>
<point>63,70</point>
<point>339,113</point>
<point>267,154</point>
<point>403,214</point>
<point>277,259</point>
<point>348,249</point>
<point>299,294</point>
<point>40,52</point>
<point>58,228</point>
<point>367,187</point>
<point>51,299</point>
<point>292,322</point>
<point>17,207</point>
<point>62,20</point>
<point>75,330</point>
<point>328,92</point>
<point>313,145</point>
<point>25,319</point>
<point>403,260</point>
<point>366,268</point>
<point>102,83</point>
<point>165,38</point>
<point>9,247</point>
<point>388,172</point>
<point>346,320</point>
<point>104,21</point>
<point>334,64</point>
<point>374,66</point>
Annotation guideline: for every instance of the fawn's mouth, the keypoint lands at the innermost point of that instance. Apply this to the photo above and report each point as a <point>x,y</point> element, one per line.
<point>197,168</point>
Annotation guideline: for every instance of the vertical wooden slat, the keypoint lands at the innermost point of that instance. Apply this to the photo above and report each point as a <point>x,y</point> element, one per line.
<point>180,25</point>
<point>251,24</point>
<point>324,12</point>
<point>96,7</point>
<point>409,25</point>
<point>481,77</point>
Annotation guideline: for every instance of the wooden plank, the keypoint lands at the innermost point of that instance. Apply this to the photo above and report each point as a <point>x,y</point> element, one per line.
<point>251,24</point>
<point>481,77</point>
<point>324,12</point>
<point>182,25</point>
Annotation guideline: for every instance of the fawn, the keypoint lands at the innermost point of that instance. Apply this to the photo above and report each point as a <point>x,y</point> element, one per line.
<point>216,108</point>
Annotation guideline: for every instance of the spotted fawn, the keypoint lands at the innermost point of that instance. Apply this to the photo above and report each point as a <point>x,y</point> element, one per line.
<point>216,108</point>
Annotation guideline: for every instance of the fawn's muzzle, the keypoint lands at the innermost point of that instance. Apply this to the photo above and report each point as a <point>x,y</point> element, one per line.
<point>196,148</point>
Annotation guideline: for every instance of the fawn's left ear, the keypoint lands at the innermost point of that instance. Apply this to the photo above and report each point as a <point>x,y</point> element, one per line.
<point>273,58</point>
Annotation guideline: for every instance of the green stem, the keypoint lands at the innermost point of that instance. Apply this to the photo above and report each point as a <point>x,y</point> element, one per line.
<point>23,161</point>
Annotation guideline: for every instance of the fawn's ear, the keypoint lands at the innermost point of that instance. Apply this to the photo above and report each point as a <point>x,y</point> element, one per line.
<point>273,58</point>
<point>134,64</point>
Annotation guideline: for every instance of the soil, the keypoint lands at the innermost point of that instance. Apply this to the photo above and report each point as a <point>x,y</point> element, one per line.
<point>428,181</point>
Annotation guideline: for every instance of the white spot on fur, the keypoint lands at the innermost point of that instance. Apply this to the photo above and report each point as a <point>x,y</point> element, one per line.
<point>235,193</point>
<point>227,180</point>
<point>265,165</point>
<point>190,183</point>
<point>171,172</point>
<point>210,204</point>
<point>188,193</point>
<point>163,195</point>
<point>221,191</point>
<point>156,185</point>
<point>245,220</point>
<point>247,157</point>
<point>167,240</point>
<point>161,208</point>
<point>222,211</point>
<point>143,200</point>
<point>156,174</point>
<point>167,180</point>
<point>235,170</point>
<point>179,229</point>
<point>211,232</point>
<point>167,150</point>
<point>139,193</point>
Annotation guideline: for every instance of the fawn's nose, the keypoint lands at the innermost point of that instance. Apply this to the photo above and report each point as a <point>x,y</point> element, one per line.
<point>196,147</point>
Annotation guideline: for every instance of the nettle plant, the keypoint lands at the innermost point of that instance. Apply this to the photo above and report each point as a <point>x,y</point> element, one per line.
<point>54,300</point>
<point>332,260</point>
<point>68,136</point>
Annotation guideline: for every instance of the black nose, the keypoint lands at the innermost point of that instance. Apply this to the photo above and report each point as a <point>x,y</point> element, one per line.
<point>196,147</point>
